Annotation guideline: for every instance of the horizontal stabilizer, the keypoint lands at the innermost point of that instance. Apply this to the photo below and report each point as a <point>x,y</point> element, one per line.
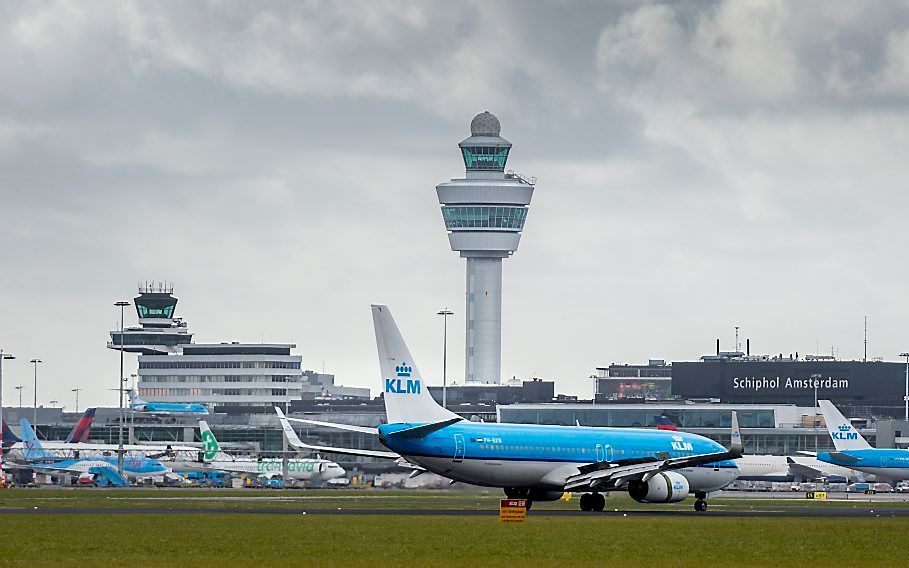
<point>844,458</point>
<point>425,429</point>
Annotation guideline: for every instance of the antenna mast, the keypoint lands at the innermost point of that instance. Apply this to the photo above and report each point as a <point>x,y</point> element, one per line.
<point>865,358</point>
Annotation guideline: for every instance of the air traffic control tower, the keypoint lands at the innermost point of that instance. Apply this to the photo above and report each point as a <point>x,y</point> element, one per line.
<point>484,214</point>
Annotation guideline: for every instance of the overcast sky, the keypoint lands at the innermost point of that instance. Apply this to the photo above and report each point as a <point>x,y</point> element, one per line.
<point>700,165</point>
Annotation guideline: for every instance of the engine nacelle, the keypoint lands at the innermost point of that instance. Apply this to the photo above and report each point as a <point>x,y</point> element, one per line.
<point>664,487</point>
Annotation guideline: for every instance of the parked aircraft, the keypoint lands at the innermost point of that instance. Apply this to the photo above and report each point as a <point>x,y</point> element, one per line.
<point>41,460</point>
<point>138,404</point>
<point>212,458</point>
<point>854,452</point>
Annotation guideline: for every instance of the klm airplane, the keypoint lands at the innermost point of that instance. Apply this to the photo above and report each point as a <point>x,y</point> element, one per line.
<point>854,452</point>
<point>529,461</point>
<point>41,460</point>
<point>164,408</point>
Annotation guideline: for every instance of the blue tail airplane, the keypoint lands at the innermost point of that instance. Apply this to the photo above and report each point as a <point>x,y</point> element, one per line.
<point>854,452</point>
<point>40,459</point>
<point>164,408</point>
<point>530,461</point>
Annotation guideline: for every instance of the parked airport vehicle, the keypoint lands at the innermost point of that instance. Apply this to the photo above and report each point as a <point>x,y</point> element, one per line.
<point>535,462</point>
<point>854,452</point>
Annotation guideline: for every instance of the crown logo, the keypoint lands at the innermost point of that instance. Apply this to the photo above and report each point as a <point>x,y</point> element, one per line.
<point>843,428</point>
<point>403,370</point>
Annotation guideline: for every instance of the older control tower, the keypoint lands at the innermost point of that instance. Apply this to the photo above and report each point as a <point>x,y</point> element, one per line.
<point>484,214</point>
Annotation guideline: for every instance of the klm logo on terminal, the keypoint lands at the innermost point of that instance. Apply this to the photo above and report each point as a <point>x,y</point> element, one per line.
<point>844,433</point>
<point>403,384</point>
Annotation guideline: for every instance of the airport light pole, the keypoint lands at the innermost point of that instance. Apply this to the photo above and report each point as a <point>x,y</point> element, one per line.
<point>906,397</point>
<point>35,411</point>
<point>2,357</point>
<point>19,388</point>
<point>77,398</point>
<point>121,304</point>
<point>445,312</point>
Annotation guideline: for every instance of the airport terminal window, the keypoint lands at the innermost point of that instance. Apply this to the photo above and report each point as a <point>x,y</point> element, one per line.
<point>490,217</point>
<point>485,158</point>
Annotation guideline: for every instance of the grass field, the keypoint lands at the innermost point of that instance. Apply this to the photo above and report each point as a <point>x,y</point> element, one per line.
<point>241,539</point>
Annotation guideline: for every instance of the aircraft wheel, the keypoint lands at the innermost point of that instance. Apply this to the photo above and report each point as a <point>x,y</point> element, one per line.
<point>700,505</point>
<point>599,501</point>
<point>587,502</point>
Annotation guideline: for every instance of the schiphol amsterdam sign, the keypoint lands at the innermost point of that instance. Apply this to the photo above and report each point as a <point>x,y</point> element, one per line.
<point>756,384</point>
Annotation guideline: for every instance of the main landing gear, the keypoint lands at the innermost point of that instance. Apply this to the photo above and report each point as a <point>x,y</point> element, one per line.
<point>700,502</point>
<point>593,502</point>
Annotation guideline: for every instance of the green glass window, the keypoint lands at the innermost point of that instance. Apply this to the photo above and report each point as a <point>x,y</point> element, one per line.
<point>483,158</point>
<point>484,217</point>
<point>156,309</point>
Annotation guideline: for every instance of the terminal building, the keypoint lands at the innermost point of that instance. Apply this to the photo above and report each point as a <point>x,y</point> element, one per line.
<point>868,389</point>
<point>234,378</point>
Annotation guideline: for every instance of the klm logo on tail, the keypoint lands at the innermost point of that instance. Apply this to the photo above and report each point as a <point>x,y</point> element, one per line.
<point>403,384</point>
<point>844,433</point>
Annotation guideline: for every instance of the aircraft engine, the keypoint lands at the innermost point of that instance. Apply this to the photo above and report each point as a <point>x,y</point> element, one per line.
<point>664,487</point>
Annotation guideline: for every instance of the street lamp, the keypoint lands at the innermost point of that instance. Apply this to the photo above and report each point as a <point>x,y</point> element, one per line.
<point>906,398</point>
<point>2,357</point>
<point>121,304</point>
<point>35,412</point>
<point>19,388</point>
<point>444,312</point>
<point>77,398</point>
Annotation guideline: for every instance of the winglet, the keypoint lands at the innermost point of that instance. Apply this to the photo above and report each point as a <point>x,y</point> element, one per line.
<point>736,446</point>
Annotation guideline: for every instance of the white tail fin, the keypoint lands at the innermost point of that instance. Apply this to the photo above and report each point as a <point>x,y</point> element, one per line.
<point>407,398</point>
<point>134,398</point>
<point>843,433</point>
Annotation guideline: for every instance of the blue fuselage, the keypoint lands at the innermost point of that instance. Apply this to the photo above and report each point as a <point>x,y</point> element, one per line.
<point>525,454</point>
<point>891,464</point>
<point>170,408</point>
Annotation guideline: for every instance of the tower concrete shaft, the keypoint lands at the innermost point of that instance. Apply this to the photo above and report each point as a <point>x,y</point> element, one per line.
<point>484,213</point>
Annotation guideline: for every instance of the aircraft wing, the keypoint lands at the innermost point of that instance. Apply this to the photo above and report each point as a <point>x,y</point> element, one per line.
<point>611,475</point>
<point>351,427</point>
<point>300,445</point>
<point>803,470</point>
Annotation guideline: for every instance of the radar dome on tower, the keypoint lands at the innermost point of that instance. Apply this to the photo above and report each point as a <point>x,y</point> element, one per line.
<point>485,124</point>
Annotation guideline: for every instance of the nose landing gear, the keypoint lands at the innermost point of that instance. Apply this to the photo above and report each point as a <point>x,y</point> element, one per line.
<point>593,502</point>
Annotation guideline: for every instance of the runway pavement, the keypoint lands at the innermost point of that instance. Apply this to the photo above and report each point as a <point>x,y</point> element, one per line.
<point>817,511</point>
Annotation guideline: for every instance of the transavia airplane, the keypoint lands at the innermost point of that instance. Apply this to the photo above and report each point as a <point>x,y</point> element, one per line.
<point>212,458</point>
<point>40,459</point>
<point>535,462</point>
<point>854,452</point>
<point>164,408</point>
